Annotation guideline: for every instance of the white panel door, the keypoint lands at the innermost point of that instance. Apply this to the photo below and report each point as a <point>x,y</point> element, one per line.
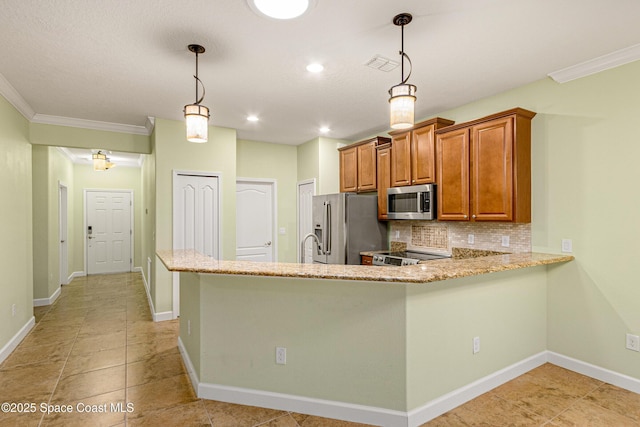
<point>255,239</point>
<point>108,232</point>
<point>306,191</point>
<point>195,210</point>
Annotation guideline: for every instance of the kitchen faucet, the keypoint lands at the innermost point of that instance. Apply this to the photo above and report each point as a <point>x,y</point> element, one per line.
<point>304,239</point>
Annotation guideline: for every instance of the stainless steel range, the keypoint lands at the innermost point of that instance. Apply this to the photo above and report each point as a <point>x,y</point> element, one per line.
<point>404,258</point>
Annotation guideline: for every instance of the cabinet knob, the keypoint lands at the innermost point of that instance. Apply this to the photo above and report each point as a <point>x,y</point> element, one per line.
<point>473,216</point>
<point>466,216</point>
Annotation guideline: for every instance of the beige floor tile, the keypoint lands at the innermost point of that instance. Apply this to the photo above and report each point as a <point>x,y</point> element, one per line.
<point>88,384</point>
<point>616,399</point>
<point>146,350</point>
<point>56,352</point>
<point>190,414</point>
<point>312,421</point>
<point>586,414</point>
<point>284,421</point>
<point>92,344</point>
<point>86,362</point>
<point>563,379</point>
<point>29,383</point>
<point>154,369</point>
<point>31,419</point>
<point>229,414</point>
<point>163,394</point>
<point>101,410</point>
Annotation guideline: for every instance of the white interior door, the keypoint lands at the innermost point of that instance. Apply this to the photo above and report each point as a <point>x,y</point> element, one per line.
<point>109,231</point>
<point>255,214</point>
<point>63,234</point>
<point>306,191</point>
<point>196,219</point>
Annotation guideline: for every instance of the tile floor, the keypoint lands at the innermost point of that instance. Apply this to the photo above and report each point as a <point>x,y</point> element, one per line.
<point>96,346</point>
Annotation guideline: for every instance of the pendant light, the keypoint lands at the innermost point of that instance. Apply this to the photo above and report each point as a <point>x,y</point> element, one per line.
<point>101,162</point>
<point>196,115</point>
<point>403,95</point>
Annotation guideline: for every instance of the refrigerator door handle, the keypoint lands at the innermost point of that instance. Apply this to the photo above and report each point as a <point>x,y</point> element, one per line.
<point>329,229</point>
<point>324,230</point>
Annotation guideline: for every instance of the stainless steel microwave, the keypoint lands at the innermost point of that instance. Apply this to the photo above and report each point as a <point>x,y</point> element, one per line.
<point>412,202</point>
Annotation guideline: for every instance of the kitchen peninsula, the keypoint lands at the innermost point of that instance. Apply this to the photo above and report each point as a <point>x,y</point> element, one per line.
<point>387,346</point>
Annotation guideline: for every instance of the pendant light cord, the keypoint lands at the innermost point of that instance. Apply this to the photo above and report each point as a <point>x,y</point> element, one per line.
<point>198,101</point>
<point>403,56</point>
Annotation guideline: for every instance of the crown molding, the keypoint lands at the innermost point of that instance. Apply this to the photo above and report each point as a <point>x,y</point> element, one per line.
<point>596,65</point>
<point>150,124</point>
<point>89,124</point>
<point>15,99</point>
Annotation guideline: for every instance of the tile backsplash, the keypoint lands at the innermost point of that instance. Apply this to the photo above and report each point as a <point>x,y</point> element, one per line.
<point>434,236</point>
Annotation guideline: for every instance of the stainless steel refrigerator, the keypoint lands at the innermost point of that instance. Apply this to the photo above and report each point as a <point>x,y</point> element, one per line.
<point>345,225</point>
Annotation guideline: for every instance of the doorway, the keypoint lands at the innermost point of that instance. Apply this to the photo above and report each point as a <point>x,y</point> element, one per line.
<point>63,212</point>
<point>306,191</point>
<point>256,220</point>
<point>108,231</point>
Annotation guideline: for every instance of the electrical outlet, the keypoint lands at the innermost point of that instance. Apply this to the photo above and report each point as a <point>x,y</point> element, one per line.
<point>567,245</point>
<point>13,310</point>
<point>505,241</point>
<point>476,345</point>
<point>633,342</point>
<point>471,239</point>
<point>281,355</point>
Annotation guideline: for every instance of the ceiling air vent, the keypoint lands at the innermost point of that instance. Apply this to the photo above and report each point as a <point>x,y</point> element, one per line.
<point>381,63</point>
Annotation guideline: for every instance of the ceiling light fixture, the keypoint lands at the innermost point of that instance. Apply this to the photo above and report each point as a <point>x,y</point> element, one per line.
<point>101,162</point>
<point>196,115</point>
<point>315,68</point>
<point>252,118</point>
<point>403,95</point>
<point>281,9</point>
<point>324,129</point>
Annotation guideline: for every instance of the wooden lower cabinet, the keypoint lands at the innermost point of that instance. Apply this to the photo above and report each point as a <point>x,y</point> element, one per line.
<point>383,160</point>
<point>484,169</point>
<point>366,260</point>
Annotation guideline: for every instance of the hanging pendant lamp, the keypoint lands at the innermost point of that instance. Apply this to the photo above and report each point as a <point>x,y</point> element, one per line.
<point>403,95</point>
<point>196,115</point>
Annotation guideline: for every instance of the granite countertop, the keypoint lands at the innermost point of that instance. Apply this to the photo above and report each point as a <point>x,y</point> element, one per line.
<point>431,271</point>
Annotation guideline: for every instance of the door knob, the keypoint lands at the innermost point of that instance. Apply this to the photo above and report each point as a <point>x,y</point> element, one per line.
<point>268,243</point>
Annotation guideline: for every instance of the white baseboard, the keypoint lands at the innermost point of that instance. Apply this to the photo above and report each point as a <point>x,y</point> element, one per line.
<point>16,339</point>
<point>76,274</point>
<point>593,371</point>
<point>157,317</point>
<point>468,392</point>
<point>137,270</point>
<point>39,302</point>
<point>390,418</point>
<point>162,316</point>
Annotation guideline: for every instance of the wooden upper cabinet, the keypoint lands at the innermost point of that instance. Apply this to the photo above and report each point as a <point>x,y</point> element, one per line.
<point>401,161</point>
<point>348,170</point>
<point>358,165</point>
<point>486,165</point>
<point>452,158</point>
<point>367,166</point>
<point>384,178</point>
<point>413,159</point>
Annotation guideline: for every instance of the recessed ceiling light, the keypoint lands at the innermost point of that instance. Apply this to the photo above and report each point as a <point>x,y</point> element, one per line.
<point>253,118</point>
<point>280,9</point>
<point>315,67</point>
<point>324,129</point>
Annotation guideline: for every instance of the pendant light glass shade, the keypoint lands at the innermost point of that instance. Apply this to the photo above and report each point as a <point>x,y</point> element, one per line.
<point>196,115</point>
<point>99,161</point>
<point>401,106</point>
<point>402,96</point>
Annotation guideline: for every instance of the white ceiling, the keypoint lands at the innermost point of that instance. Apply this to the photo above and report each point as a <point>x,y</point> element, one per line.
<point>122,61</point>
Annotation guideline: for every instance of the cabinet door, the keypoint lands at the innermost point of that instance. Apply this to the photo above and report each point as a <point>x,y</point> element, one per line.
<point>348,170</point>
<point>401,160</point>
<point>366,260</point>
<point>492,170</point>
<point>452,160</point>
<point>367,167</point>
<point>384,180</point>
<point>423,169</point>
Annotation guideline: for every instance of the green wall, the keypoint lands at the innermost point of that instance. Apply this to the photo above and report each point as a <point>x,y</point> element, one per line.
<point>584,188</point>
<point>174,152</point>
<point>319,159</point>
<point>16,262</point>
<point>278,162</point>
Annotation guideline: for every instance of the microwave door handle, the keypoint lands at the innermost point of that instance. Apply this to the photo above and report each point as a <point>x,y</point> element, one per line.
<point>329,230</point>
<point>419,201</point>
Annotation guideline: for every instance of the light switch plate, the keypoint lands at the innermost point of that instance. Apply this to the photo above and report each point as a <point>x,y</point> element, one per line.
<point>567,245</point>
<point>505,241</point>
